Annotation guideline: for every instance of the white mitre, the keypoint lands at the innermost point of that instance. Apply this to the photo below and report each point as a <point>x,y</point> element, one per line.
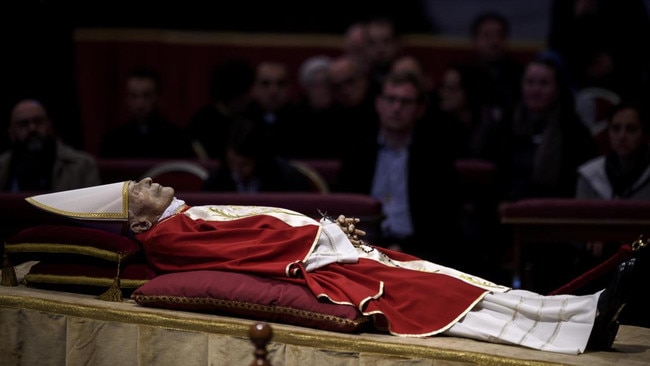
<point>108,202</point>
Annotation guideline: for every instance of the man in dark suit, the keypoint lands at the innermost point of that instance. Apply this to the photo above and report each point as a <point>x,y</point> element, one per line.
<point>411,173</point>
<point>146,133</point>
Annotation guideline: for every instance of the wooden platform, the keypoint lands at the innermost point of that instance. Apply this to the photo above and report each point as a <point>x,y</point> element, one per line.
<point>56,328</point>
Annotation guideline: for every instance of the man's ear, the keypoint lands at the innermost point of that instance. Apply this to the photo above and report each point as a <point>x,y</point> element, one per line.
<point>140,225</point>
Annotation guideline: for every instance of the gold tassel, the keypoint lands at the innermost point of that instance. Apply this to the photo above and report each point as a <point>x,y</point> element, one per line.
<point>114,293</point>
<point>8,272</point>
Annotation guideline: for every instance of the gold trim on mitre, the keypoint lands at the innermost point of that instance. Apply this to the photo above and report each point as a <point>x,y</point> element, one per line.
<point>108,202</point>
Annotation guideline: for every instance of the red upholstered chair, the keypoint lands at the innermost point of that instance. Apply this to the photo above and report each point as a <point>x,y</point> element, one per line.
<point>317,181</point>
<point>565,219</point>
<point>117,170</point>
<point>477,178</point>
<point>328,169</point>
<point>183,175</point>
<point>17,214</point>
<point>478,190</point>
<point>475,171</point>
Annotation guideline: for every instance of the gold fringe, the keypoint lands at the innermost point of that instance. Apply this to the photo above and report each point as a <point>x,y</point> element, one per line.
<point>8,272</point>
<point>114,293</point>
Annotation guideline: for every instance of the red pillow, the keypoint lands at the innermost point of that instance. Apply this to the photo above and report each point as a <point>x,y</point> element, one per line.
<point>87,278</point>
<point>69,241</point>
<point>249,296</point>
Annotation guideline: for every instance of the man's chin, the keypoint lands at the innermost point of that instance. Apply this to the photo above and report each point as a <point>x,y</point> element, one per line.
<point>34,145</point>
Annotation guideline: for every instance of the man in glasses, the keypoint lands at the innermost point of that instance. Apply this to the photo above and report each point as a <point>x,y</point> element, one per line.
<point>410,173</point>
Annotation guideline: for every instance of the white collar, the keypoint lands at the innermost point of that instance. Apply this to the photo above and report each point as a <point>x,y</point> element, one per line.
<point>172,209</point>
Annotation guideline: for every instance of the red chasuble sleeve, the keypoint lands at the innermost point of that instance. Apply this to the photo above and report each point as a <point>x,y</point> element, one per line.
<point>260,244</point>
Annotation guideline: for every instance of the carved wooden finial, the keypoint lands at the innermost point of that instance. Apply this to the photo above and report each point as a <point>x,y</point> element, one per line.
<point>260,334</point>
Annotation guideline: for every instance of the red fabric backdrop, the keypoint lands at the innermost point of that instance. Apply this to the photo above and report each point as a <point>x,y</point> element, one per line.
<point>185,60</point>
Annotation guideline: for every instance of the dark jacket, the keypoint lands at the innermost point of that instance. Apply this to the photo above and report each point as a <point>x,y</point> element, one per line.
<point>433,190</point>
<point>158,138</point>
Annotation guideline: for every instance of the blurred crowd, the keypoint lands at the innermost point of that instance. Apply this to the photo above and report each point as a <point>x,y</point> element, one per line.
<point>397,131</point>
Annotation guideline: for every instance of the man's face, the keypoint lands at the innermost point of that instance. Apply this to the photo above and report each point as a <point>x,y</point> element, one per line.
<point>626,134</point>
<point>30,125</point>
<point>382,44</point>
<point>452,94</point>
<point>407,64</point>
<point>398,106</point>
<point>355,41</point>
<point>349,85</point>
<point>141,97</point>
<point>318,90</point>
<point>148,200</point>
<point>539,87</point>
<point>271,88</point>
<point>490,41</point>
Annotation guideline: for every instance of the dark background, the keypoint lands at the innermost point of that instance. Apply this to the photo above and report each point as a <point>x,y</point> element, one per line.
<point>39,52</point>
<point>38,57</point>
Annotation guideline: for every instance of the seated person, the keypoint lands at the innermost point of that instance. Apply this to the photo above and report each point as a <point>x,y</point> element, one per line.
<point>624,171</point>
<point>38,160</point>
<point>406,295</point>
<point>406,166</point>
<point>230,91</point>
<point>146,132</point>
<point>251,166</point>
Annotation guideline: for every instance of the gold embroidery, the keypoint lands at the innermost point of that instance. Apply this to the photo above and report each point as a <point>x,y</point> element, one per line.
<point>251,211</point>
<point>478,281</point>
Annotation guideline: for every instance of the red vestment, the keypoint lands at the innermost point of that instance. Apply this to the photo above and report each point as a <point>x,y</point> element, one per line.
<point>406,302</point>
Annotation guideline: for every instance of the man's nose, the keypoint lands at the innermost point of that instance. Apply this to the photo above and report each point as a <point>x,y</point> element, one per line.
<point>31,127</point>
